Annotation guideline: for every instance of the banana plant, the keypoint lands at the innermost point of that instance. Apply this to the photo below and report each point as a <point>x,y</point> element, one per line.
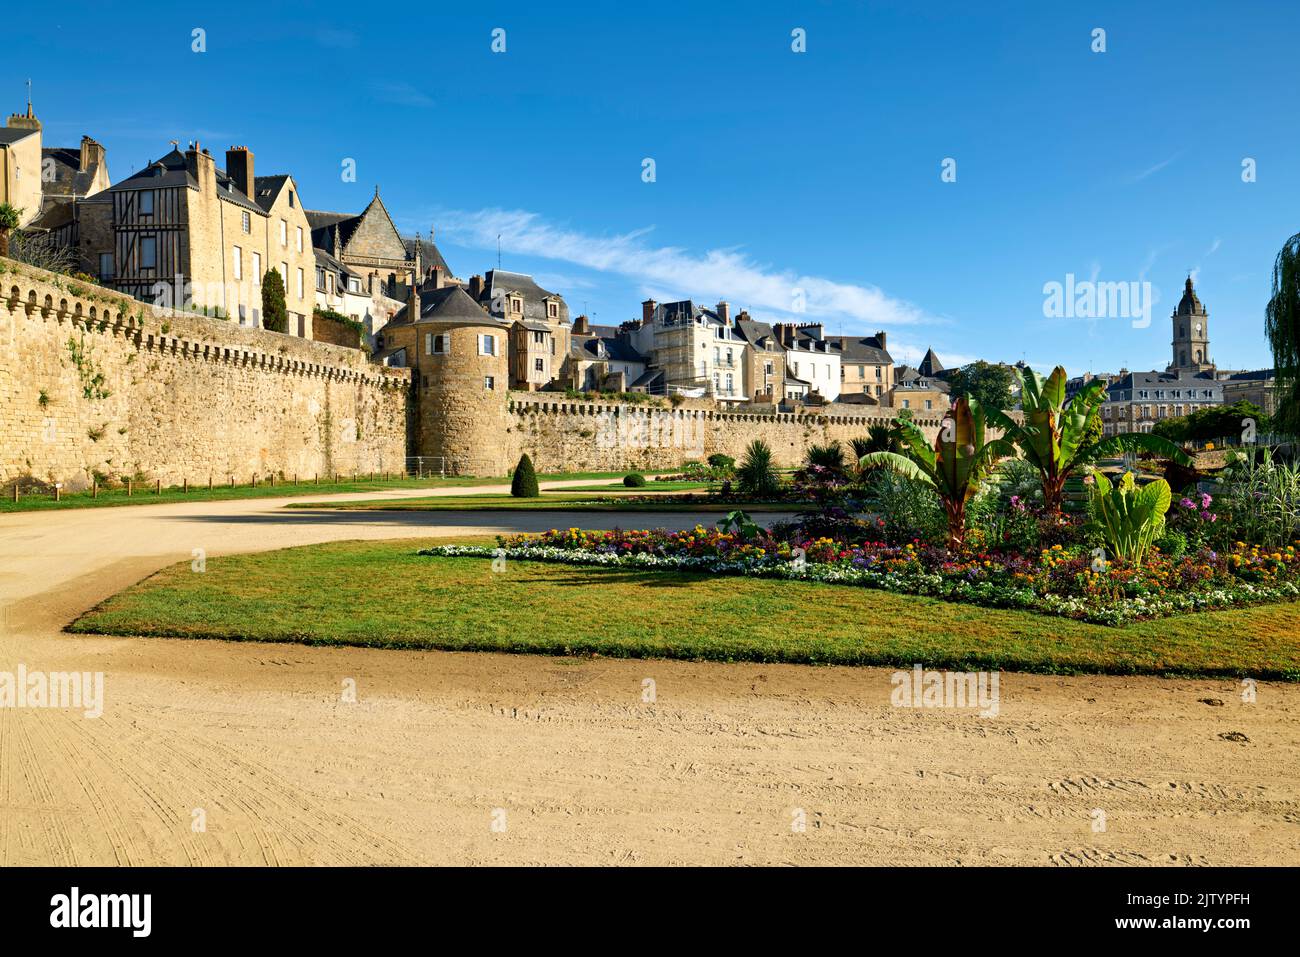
<point>1129,518</point>
<point>1054,434</point>
<point>959,461</point>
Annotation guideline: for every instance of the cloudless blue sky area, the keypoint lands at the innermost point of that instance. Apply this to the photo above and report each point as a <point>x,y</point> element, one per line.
<point>774,170</point>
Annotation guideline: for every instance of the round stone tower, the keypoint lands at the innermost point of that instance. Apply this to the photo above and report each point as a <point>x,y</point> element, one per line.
<point>461,379</point>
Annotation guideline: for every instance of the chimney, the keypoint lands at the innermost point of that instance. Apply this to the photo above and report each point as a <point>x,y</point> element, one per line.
<point>435,277</point>
<point>92,155</point>
<point>814,329</point>
<point>476,288</point>
<point>199,165</point>
<point>413,303</point>
<point>724,311</point>
<point>581,327</point>
<point>239,167</point>
<point>647,312</point>
<point>880,337</point>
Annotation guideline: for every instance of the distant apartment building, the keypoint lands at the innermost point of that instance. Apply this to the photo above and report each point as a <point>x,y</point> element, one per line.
<point>694,350</point>
<point>764,358</point>
<point>1136,401</point>
<point>602,359</point>
<point>538,320</point>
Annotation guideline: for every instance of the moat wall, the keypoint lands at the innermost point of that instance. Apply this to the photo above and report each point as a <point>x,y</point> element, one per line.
<point>95,383</point>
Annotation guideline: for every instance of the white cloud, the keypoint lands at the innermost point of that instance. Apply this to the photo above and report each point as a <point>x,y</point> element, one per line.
<point>1152,170</point>
<point>675,272</point>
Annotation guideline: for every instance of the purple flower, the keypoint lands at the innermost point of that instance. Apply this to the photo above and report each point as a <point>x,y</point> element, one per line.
<point>1187,503</point>
<point>1206,500</point>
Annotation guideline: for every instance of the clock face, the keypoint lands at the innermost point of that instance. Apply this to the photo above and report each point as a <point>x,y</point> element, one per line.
<point>1198,328</point>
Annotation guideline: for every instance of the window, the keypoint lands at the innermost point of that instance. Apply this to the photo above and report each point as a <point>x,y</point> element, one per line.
<point>539,365</point>
<point>354,284</point>
<point>877,390</point>
<point>877,373</point>
<point>257,268</point>
<point>238,262</point>
<point>489,383</point>
<point>256,317</point>
<point>247,222</point>
<point>284,276</point>
<point>717,382</point>
<point>105,265</point>
<point>862,372</point>
<point>301,288</point>
<point>243,314</point>
<point>148,252</point>
<point>320,278</point>
<point>907,403</point>
<point>717,355</point>
<point>539,338</point>
<point>292,201</point>
<point>516,305</point>
<point>487,345</point>
<point>284,233</point>
<point>552,309</point>
<point>767,368</point>
<point>438,345</point>
<point>731,385</point>
<point>928,405</point>
<point>299,239</point>
<point>146,202</point>
<point>728,357</point>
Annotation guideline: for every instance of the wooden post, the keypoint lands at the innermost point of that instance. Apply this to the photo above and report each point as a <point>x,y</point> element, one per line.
<point>94,488</point>
<point>128,488</point>
<point>254,480</point>
<point>15,491</point>
<point>232,481</point>
<point>157,489</point>
<point>272,480</point>
<point>185,485</point>
<point>316,478</point>
<point>58,491</point>
<point>209,481</point>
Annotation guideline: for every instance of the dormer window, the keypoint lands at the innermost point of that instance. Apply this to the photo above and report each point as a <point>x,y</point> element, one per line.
<point>552,309</point>
<point>516,305</point>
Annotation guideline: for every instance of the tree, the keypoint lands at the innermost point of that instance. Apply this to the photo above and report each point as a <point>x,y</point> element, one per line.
<point>10,218</point>
<point>959,462</point>
<point>275,315</point>
<point>987,382</point>
<point>1054,436</point>
<point>1282,324</point>
<point>523,484</point>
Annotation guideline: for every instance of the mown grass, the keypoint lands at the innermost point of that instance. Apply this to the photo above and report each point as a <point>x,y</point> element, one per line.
<point>383,595</point>
<point>29,501</point>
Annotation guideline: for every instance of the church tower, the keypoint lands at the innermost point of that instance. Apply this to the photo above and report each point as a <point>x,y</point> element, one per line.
<point>1191,345</point>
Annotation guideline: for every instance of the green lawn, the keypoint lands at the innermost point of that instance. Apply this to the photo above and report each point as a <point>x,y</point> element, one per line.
<point>650,486</point>
<point>384,595</point>
<point>566,500</point>
<point>34,501</point>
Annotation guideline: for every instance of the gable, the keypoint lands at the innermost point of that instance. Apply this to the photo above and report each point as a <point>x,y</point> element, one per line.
<point>375,236</point>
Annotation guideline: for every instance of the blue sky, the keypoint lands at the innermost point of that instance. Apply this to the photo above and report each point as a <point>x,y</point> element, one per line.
<point>775,171</point>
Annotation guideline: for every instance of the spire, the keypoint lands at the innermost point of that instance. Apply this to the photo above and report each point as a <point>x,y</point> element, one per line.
<point>30,115</point>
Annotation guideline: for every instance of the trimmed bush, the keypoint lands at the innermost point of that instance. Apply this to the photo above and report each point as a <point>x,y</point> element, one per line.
<point>523,484</point>
<point>720,461</point>
<point>634,480</point>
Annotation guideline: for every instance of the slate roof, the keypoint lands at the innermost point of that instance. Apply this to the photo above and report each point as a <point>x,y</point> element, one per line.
<point>930,365</point>
<point>449,303</point>
<point>1161,380</point>
<point>68,175</point>
<point>170,171</point>
<point>9,135</point>
<point>866,350</point>
<point>430,255</point>
<point>499,281</point>
<point>755,332</point>
<point>617,348</point>
<point>266,189</point>
<point>1190,304</point>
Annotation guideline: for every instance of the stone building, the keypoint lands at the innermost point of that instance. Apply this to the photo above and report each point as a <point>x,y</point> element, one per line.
<point>539,325</point>
<point>764,359</point>
<point>920,389</point>
<point>37,179</point>
<point>1136,401</point>
<point>183,232</point>
<point>370,246</point>
<point>602,359</point>
<point>697,351</point>
<point>866,367</point>
<point>1258,386</point>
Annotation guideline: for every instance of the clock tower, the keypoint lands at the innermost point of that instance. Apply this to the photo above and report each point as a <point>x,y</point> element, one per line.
<point>1191,345</point>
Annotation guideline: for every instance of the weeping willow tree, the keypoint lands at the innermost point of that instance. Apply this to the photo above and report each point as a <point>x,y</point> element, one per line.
<point>1282,321</point>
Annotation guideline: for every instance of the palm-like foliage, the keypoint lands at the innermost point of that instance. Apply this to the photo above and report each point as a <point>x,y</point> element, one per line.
<point>959,461</point>
<point>879,438</point>
<point>1129,518</point>
<point>756,475</point>
<point>1053,436</point>
<point>828,456</point>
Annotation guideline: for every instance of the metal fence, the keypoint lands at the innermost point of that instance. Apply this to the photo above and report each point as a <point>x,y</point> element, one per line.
<point>431,466</point>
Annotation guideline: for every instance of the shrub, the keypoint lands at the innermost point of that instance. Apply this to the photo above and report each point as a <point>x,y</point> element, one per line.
<point>1258,500</point>
<point>635,480</point>
<point>1129,518</point>
<point>523,484</point>
<point>829,456</point>
<point>909,508</point>
<point>756,477</point>
<point>1172,544</point>
<point>719,461</point>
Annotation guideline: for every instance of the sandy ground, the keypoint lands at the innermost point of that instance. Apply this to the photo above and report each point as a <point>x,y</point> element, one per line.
<point>440,749</point>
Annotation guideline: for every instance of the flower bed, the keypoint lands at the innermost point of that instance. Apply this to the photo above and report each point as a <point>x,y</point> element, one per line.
<point>1058,580</point>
